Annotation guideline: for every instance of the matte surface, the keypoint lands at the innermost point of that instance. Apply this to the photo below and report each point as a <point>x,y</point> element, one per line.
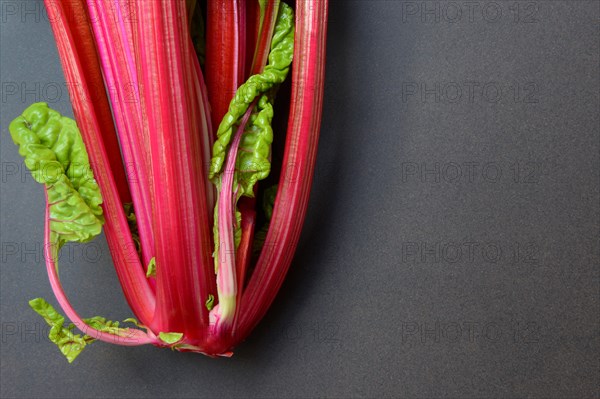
<point>451,246</point>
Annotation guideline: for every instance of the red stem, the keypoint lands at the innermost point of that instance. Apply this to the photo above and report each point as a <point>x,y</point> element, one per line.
<point>265,34</point>
<point>252,27</point>
<point>134,337</point>
<point>70,24</point>
<point>183,244</point>
<point>224,64</point>
<point>80,64</point>
<point>115,44</point>
<point>207,138</point>
<point>299,159</point>
<point>227,284</point>
<point>244,251</point>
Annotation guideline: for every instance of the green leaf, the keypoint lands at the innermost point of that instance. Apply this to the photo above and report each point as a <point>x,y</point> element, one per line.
<point>135,322</point>
<point>170,337</point>
<point>111,327</point>
<point>275,72</point>
<point>253,161</point>
<point>210,302</point>
<point>55,154</point>
<point>151,272</point>
<point>69,343</point>
<point>102,324</point>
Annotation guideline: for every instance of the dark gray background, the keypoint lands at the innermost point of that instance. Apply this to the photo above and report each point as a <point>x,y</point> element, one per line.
<point>451,245</point>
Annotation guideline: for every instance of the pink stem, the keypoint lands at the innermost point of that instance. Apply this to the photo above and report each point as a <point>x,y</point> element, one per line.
<point>262,40</point>
<point>135,337</point>
<point>223,67</point>
<point>206,123</point>
<point>80,64</point>
<point>224,312</point>
<point>265,35</point>
<point>121,78</point>
<point>74,41</point>
<point>182,236</point>
<point>244,252</point>
<point>308,72</point>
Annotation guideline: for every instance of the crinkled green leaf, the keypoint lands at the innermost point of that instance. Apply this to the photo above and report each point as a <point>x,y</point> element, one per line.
<point>108,326</point>
<point>135,322</point>
<point>69,343</point>
<point>55,154</point>
<point>151,272</point>
<point>274,73</point>
<point>102,324</point>
<point>253,161</point>
<point>170,337</point>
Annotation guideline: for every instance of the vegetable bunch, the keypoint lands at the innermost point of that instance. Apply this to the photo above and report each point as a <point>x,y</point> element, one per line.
<point>168,160</point>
